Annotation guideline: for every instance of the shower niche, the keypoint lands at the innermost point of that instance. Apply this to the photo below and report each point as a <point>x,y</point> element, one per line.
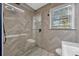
<point>37,22</point>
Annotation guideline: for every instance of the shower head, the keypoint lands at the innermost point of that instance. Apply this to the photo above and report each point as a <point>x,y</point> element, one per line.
<point>9,8</point>
<point>13,8</point>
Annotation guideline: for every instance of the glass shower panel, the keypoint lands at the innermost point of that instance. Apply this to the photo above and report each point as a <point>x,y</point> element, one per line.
<point>14,30</point>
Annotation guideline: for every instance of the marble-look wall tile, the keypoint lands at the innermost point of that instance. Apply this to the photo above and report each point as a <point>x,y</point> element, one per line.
<point>16,23</point>
<point>52,39</point>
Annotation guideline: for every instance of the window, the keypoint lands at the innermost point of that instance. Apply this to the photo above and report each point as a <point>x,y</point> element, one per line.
<point>62,17</point>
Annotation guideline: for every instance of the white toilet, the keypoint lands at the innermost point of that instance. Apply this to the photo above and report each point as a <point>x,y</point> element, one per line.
<point>58,51</point>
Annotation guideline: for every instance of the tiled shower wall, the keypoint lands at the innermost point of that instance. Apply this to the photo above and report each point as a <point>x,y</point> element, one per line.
<point>51,39</point>
<point>47,39</point>
<point>16,23</point>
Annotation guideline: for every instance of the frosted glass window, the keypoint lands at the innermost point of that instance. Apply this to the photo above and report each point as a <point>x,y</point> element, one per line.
<point>62,17</point>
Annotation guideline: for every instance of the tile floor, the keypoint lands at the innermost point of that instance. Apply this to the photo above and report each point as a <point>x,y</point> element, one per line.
<point>40,52</point>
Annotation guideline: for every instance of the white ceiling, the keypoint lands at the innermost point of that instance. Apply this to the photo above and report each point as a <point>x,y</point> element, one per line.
<point>36,6</point>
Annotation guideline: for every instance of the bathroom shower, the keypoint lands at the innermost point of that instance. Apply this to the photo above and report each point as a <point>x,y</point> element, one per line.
<point>32,29</point>
<point>23,31</point>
